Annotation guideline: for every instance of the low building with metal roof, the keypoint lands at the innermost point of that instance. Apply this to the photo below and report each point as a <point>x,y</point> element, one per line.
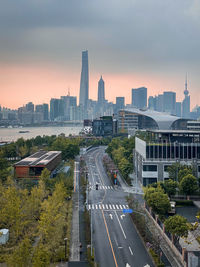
<point>32,166</point>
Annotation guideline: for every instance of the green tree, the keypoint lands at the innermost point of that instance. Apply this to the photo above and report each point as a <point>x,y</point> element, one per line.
<point>170,187</point>
<point>188,185</point>
<point>45,176</point>
<point>177,226</point>
<point>21,257</point>
<point>157,200</point>
<point>125,167</point>
<point>184,172</point>
<point>41,257</point>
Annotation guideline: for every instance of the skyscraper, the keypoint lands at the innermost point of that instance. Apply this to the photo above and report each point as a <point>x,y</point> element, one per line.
<point>84,84</point>
<point>186,102</point>
<point>139,97</point>
<point>101,92</point>
<point>169,102</point>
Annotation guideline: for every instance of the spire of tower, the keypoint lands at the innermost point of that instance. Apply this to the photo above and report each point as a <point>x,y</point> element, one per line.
<point>186,81</point>
<point>186,92</point>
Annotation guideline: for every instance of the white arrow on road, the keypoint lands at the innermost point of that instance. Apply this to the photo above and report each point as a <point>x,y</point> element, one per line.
<point>127,265</point>
<point>111,217</point>
<point>122,216</point>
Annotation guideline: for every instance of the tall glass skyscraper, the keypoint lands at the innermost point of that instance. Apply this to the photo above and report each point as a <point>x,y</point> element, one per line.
<point>101,91</point>
<point>84,85</point>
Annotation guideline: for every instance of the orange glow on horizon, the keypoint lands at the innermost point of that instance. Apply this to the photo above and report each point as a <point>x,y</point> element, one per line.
<point>21,84</point>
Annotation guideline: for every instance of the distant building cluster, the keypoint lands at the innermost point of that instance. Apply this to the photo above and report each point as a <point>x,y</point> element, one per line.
<point>66,108</point>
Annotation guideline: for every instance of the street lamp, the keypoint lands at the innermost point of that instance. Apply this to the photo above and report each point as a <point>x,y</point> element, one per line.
<point>65,239</point>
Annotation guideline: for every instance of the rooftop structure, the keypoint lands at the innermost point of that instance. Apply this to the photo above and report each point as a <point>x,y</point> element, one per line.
<point>32,166</point>
<point>149,119</point>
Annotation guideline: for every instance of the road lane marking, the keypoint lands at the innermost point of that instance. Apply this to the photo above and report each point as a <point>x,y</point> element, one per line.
<point>117,207</point>
<point>96,207</point>
<point>100,207</point>
<point>110,206</point>
<point>109,239</point>
<point>103,206</point>
<point>106,206</point>
<point>113,207</point>
<point>124,206</point>
<point>130,250</point>
<point>120,225</point>
<point>120,207</point>
<point>89,207</point>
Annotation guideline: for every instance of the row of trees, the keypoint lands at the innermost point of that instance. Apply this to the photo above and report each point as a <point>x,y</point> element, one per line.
<point>121,151</point>
<point>37,220</point>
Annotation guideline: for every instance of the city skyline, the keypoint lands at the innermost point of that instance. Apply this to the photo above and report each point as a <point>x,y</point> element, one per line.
<point>135,45</point>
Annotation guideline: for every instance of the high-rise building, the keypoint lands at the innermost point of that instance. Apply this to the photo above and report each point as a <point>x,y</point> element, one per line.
<point>30,107</point>
<point>46,112</point>
<point>178,109</point>
<point>84,84</point>
<point>186,102</point>
<point>169,102</point>
<point>101,92</point>
<point>139,97</point>
<point>54,108</point>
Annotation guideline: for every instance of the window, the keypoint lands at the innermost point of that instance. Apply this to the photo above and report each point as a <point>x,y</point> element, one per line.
<point>198,168</point>
<point>150,168</point>
<point>166,168</point>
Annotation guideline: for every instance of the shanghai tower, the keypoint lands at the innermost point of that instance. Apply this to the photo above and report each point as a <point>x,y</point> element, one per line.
<point>83,96</point>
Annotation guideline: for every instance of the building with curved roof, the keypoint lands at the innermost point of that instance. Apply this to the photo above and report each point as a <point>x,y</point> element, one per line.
<point>133,118</point>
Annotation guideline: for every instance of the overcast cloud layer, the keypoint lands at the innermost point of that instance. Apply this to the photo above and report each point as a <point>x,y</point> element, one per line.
<point>122,36</point>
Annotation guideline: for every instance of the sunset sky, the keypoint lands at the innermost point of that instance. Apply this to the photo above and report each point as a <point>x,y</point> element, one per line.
<point>131,43</point>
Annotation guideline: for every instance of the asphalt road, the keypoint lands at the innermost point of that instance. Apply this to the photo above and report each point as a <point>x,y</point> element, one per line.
<point>114,237</point>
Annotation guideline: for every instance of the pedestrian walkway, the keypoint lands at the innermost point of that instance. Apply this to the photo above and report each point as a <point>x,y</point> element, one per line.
<point>75,241</point>
<point>108,207</point>
<point>102,187</point>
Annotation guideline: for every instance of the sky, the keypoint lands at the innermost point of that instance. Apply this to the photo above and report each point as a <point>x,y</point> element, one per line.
<point>131,43</point>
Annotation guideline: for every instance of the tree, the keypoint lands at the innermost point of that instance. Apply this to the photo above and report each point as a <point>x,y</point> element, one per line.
<point>157,200</point>
<point>125,167</point>
<point>177,226</point>
<point>41,257</point>
<point>188,184</point>
<point>170,187</point>
<point>21,257</point>
<point>45,175</point>
<point>184,172</point>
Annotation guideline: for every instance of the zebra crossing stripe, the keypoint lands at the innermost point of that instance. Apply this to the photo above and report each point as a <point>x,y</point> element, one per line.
<point>110,206</point>
<point>92,206</point>
<point>103,206</point>
<point>106,206</point>
<point>120,207</point>
<point>114,207</point>
<point>89,207</point>
<point>127,206</point>
<point>100,207</point>
<point>96,207</point>
<point>117,207</point>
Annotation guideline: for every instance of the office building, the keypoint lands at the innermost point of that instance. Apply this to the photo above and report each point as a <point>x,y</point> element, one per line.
<point>120,104</point>
<point>101,92</point>
<point>54,108</point>
<point>169,102</point>
<point>84,84</point>
<point>163,148</point>
<point>139,97</point>
<point>178,109</point>
<point>105,126</point>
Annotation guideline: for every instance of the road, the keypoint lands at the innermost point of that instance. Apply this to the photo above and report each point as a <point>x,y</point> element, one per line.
<point>114,237</point>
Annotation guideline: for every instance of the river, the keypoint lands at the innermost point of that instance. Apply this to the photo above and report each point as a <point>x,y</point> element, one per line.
<point>12,134</point>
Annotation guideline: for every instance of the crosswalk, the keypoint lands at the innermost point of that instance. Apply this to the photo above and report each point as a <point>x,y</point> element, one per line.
<point>102,187</point>
<point>107,207</point>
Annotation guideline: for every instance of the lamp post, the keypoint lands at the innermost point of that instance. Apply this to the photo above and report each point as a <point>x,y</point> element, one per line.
<point>65,239</point>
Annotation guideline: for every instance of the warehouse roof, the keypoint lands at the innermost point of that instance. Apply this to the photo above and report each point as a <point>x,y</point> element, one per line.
<point>163,120</point>
<point>39,158</point>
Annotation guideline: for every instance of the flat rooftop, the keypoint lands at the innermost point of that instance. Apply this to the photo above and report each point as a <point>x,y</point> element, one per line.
<point>175,131</point>
<point>39,158</point>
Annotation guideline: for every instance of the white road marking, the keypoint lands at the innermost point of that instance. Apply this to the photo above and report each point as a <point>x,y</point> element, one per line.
<point>113,207</point>
<point>92,206</point>
<point>127,206</point>
<point>89,207</point>
<point>121,216</point>
<point>120,207</point>
<point>96,207</point>
<point>110,206</point>
<point>120,225</point>
<point>100,207</point>
<point>103,206</point>
<point>117,207</point>
<point>106,206</point>
<point>131,251</point>
<point>111,216</point>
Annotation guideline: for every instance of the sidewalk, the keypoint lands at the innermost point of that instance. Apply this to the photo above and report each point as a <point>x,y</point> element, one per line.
<point>75,242</point>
